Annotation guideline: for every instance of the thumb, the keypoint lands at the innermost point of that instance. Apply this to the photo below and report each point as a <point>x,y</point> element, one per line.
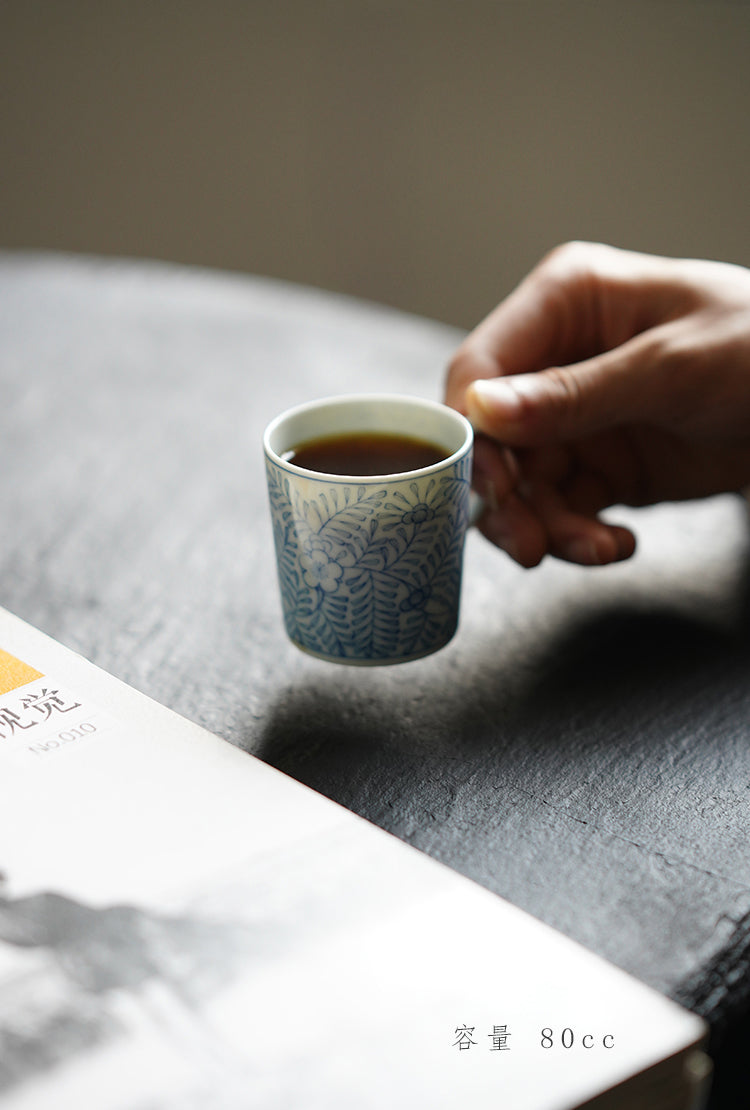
<point>562,403</point>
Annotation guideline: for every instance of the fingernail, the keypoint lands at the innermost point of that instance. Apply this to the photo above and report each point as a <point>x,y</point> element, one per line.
<point>626,545</point>
<point>492,399</point>
<point>581,550</point>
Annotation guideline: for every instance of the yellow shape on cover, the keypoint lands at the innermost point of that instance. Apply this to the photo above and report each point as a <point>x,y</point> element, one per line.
<point>14,673</point>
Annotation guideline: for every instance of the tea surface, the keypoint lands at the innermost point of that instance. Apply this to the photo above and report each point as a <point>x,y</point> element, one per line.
<point>364,454</point>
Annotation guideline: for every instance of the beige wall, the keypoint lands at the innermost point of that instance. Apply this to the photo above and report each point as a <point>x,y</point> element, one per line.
<point>419,153</point>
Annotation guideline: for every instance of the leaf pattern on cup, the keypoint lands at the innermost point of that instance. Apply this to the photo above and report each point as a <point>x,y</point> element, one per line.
<point>370,573</point>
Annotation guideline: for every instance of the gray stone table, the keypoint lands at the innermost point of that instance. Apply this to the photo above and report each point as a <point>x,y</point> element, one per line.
<point>582,747</point>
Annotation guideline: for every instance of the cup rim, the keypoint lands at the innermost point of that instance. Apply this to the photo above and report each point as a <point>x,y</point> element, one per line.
<point>341,399</point>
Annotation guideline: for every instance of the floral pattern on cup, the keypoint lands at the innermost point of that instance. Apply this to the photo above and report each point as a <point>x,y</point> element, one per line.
<point>370,573</point>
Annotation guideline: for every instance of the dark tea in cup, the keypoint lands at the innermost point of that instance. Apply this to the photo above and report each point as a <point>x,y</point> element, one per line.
<point>361,454</point>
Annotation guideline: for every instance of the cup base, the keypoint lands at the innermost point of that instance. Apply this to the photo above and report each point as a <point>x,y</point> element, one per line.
<point>352,661</point>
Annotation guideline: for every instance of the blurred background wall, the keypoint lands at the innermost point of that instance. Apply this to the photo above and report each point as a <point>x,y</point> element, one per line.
<point>423,153</point>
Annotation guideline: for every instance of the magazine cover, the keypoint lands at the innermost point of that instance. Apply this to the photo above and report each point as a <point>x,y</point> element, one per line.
<point>182,926</point>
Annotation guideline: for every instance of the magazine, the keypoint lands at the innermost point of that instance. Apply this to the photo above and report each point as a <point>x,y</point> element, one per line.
<point>182,926</point>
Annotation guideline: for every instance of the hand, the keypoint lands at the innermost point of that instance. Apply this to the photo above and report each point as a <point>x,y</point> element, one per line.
<point>607,377</point>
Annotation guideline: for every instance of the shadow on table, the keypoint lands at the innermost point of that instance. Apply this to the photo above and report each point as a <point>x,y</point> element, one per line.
<point>358,735</point>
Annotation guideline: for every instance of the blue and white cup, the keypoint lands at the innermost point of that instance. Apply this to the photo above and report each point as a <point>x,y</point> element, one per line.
<point>370,566</point>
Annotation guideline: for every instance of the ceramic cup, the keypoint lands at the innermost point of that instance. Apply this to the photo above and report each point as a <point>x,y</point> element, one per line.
<point>370,567</point>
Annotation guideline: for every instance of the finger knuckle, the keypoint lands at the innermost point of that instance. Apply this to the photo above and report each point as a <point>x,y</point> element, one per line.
<point>684,385</point>
<point>580,263</point>
<point>566,392</point>
<point>567,259</point>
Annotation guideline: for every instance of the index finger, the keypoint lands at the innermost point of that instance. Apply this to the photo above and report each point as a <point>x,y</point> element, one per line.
<point>546,321</point>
